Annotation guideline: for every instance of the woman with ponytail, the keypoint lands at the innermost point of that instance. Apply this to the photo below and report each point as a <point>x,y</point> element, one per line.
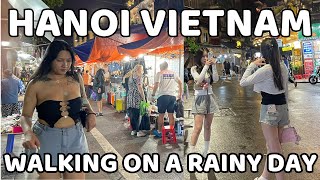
<point>271,81</point>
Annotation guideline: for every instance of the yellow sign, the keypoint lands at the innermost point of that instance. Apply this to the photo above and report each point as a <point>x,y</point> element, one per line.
<point>287,48</point>
<point>239,44</point>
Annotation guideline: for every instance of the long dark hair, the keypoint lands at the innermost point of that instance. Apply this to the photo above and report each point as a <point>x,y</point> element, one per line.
<point>199,66</point>
<point>270,52</point>
<point>50,55</point>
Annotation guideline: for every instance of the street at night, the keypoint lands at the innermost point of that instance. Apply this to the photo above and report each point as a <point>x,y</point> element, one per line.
<point>237,130</point>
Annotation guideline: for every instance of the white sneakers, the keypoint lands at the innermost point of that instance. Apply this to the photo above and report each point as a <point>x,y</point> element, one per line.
<point>139,134</point>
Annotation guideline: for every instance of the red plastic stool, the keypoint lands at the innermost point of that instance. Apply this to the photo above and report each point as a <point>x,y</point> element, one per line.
<point>171,137</point>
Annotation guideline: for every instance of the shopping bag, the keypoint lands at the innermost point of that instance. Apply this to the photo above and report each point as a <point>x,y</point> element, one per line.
<point>93,96</point>
<point>290,134</point>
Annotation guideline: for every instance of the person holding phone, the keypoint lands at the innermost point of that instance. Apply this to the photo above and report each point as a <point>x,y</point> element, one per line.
<point>271,80</point>
<point>55,92</point>
<point>204,106</point>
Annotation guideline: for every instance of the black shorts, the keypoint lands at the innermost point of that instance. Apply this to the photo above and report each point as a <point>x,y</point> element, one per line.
<point>166,103</point>
<point>9,109</point>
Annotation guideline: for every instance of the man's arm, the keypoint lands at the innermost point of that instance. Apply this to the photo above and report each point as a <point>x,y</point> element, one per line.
<point>155,88</point>
<point>180,87</point>
<point>156,84</point>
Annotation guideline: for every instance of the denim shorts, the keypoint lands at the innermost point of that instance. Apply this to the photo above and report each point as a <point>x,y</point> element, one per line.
<point>278,118</point>
<point>205,104</point>
<point>60,140</point>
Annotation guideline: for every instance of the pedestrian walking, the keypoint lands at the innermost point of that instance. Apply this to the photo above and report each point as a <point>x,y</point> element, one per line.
<point>204,105</point>
<point>271,80</point>
<point>99,89</point>
<point>227,66</point>
<point>87,82</point>
<point>55,91</point>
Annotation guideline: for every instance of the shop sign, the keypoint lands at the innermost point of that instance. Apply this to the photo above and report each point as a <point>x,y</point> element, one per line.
<point>315,32</point>
<point>307,47</point>
<point>288,48</point>
<point>308,66</point>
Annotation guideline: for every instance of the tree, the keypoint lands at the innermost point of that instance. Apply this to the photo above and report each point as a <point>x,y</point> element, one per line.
<point>53,3</point>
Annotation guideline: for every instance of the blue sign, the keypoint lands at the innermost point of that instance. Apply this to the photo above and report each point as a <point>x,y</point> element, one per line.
<point>307,48</point>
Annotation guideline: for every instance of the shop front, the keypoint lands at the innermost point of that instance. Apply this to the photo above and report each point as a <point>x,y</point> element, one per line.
<point>311,50</point>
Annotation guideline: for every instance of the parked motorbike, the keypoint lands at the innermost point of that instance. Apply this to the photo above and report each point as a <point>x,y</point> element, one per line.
<point>314,78</point>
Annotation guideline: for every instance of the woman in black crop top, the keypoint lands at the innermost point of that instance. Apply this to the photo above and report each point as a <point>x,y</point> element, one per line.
<point>270,79</point>
<point>55,91</point>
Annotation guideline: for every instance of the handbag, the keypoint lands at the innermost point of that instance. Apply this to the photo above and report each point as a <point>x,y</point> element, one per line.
<point>83,112</point>
<point>83,117</point>
<point>290,134</point>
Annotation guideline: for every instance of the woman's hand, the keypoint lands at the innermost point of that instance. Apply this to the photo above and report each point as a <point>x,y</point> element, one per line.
<point>213,61</point>
<point>205,86</point>
<point>99,90</point>
<point>209,62</point>
<point>31,141</point>
<point>259,62</point>
<point>91,122</point>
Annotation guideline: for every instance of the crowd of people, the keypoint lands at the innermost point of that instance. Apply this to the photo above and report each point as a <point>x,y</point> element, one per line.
<point>65,98</point>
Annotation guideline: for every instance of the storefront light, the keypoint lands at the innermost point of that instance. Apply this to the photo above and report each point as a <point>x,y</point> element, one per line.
<point>140,56</point>
<point>5,43</point>
<point>225,56</point>
<point>297,45</point>
<point>127,58</point>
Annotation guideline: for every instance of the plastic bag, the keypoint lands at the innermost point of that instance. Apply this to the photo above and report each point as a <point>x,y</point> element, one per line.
<point>179,109</point>
<point>93,96</point>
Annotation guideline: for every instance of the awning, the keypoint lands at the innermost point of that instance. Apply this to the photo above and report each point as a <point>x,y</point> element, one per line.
<point>157,44</point>
<point>84,50</point>
<point>37,6</point>
<point>105,49</point>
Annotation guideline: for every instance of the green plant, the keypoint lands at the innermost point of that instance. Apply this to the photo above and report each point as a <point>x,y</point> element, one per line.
<point>192,45</point>
<point>296,68</point>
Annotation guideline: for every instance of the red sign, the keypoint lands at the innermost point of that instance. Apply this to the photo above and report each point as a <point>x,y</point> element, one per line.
<point>308,66</point>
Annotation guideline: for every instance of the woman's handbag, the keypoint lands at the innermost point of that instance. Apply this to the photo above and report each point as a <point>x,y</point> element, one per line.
<point>83,112</point>
<point>83,117</point>
<point>290,134</point>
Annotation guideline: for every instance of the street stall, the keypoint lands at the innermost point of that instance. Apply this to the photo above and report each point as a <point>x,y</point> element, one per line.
<point>122,54</point>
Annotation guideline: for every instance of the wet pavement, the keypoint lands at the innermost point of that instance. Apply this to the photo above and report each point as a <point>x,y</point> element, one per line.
<point>237,130</point>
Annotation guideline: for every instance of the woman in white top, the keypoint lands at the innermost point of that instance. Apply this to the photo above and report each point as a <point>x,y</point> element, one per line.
<point>204,105</point>
<point>271,81</point>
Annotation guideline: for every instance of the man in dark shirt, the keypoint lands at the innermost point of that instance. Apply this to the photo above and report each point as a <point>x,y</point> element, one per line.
<point>227,67</point>
<point>10,88</point>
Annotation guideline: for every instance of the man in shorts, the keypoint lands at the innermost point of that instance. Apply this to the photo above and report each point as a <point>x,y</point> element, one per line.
<point>167,81</point>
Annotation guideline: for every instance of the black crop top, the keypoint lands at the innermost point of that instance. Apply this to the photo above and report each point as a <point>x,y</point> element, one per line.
<point>277,99</point>
<point>51,111</point>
